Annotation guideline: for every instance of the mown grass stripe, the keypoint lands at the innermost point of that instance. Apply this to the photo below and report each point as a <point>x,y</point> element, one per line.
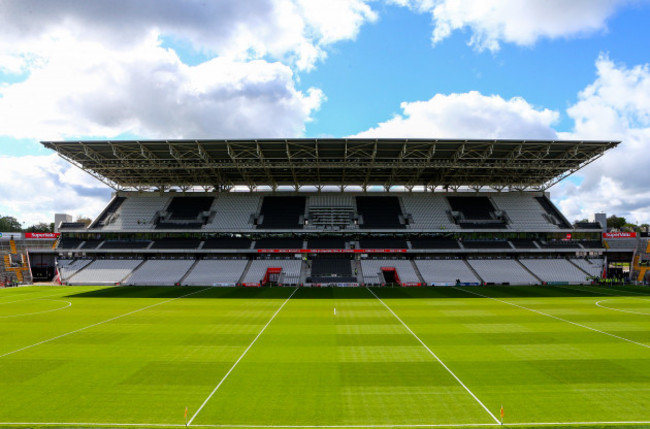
<point>99,323</point>
<point>438,359</point>
<point>240,358</point>
<point>557,318</point>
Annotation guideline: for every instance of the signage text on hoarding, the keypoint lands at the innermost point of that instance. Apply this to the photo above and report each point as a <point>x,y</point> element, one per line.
<point>619,234</point>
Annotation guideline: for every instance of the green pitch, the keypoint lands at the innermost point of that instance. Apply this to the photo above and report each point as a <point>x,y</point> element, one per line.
<point>430,357</point>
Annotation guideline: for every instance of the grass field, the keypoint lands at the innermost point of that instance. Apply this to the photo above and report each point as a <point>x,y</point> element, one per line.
<point>417,357</point>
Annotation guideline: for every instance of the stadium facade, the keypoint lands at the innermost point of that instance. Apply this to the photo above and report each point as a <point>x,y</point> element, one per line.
<point>346,212</point>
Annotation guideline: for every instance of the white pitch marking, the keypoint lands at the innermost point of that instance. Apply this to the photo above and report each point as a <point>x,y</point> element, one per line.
<point>39,312</point>
<point>618,309</point>
<point>557,318</point>
<point>322,426</point>
<point>38,297</point>
<point>600,288</point>
<point>437,358</point>
<point>240,358</point>
<point>98,323</point>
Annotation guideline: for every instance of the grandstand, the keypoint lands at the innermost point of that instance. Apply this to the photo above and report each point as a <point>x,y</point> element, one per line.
<point>318,212</point>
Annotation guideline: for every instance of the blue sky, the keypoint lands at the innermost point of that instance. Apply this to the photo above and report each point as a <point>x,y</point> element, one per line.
<point>573,69</point>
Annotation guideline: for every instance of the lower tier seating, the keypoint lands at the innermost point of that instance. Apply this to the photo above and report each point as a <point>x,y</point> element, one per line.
<point>258,268</point>
<point>445,272</point>
<point>160,272</point>
<point>556,270</point>
<point>372,271</point>
<point>105,272</point>
<point>216,272</point>
<point>502,271</point>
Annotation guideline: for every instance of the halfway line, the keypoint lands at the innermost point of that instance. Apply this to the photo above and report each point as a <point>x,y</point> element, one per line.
<point>240,358</point>
<point>437,358</point>
<point>98,323</point>
<point>557,318</point>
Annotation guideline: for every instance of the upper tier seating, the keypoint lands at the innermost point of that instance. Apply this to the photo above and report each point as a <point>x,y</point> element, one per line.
<point>216,272</point>
<point>380,212</point>
<point>372,268</point>
<point>160,272</point>
<point>282,212</point>
<point>428,211</point>
<point>186,213</point>
<point>333,211</point>
<point>502,271</point>
<point>475,212</point>
<point>233,212</point>
<point>523,210</point>
<point>108,212</point>
<point>105,272</point>
<point>137,212</point>
<point>553,213</point>
<point>188,208</point>
<point>556,270</point>
<point>445,272</point>
<point>290,270</point>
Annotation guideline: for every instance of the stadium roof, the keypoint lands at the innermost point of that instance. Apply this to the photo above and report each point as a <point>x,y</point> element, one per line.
<point>432,163</point>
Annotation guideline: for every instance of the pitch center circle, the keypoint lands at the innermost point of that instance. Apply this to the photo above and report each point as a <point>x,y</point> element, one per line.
<point>33,307</point>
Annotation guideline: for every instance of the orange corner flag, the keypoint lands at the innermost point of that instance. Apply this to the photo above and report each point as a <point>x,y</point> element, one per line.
<point>502,413</point>
<point>185,416</point>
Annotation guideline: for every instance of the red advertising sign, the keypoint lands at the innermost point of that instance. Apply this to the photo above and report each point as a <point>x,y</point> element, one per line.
<point>42,235</point>
<point>331,250</point>
<point>619,234</point>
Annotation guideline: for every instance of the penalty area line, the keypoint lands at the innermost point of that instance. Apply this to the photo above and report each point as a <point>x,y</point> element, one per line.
<point>437,358</point>
<point>240,358</point>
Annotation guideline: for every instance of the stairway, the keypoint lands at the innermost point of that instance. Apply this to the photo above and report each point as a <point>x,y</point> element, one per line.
<point>641,255</point>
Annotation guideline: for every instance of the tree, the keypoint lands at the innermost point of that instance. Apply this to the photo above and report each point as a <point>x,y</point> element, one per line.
<point>616,222</point>
<point>85,220</point>
<point>9,224</point>
<point>41,227</point>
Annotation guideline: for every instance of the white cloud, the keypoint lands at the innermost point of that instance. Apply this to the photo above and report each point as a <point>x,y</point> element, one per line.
<point>521,22</point>
<point>43,185</point>
<point>468,115</point>
<point>147,91</point>
<point>616,106</point>
<point>297,31</point>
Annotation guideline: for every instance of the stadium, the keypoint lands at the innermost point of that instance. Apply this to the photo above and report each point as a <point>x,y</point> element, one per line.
<point>327,283</point>
<point>173,221</point>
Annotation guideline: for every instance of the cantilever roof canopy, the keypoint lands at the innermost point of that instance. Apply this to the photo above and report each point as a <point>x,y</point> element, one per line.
<point>432,163</point>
